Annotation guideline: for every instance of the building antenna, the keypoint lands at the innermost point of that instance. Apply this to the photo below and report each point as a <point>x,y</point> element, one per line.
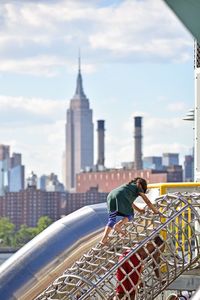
<point>79,60</point>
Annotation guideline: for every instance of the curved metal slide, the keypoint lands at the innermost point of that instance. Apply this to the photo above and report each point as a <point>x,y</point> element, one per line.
<point>30,270</point>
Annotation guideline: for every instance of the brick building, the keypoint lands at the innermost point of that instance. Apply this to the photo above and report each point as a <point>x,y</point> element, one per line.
<point>174,173</point>
<point>27,206</point>
<point>107,180</point>
<point>75,201</point>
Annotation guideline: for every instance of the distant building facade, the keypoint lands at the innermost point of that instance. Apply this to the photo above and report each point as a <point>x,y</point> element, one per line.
<point>11,171</point>
<point>174,173</point>
<point>79,150</point>
<point>189,168</point>
<point>153,163</point>
<point>170,159</point>
<point>50,183</point>
<point>107,180</point>
<point>4,168</point>
<point>16,173</point>
<point>27,206</point>
<point>75,201</point>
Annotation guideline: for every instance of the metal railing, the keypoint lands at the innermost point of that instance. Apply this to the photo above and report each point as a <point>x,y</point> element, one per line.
<point>94,275</point>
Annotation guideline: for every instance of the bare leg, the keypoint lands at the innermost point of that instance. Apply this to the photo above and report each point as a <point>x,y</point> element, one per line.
<point>119,224</point>
<point>104,239</point>
<point>132,296</point>
<point>122,295</point>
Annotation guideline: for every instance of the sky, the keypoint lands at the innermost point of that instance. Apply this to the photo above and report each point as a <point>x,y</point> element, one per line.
<point>136,60</point>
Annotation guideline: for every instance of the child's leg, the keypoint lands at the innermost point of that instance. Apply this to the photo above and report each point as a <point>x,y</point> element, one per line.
<point>109,226</point>
<point>104,239</point>
<point>119,224</point>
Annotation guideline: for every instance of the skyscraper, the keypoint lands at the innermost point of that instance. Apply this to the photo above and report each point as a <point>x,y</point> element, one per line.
<point>4,167</point>
<point>189,168</point>
<point>79,150</point>
<point>11,171</point>
<point>170,159</point>
<point>16,173</point>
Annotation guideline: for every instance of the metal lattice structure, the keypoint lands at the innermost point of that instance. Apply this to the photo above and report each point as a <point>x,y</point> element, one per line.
<point>93,276</point>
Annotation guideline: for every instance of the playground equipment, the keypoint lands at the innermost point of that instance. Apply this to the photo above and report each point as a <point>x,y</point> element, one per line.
<point>93,276</point>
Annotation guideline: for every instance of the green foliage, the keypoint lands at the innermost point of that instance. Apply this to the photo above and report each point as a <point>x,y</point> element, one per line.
<point>7,231</point>
<point>43,223</point>
<point>24,235</point>
<point>9,237</point>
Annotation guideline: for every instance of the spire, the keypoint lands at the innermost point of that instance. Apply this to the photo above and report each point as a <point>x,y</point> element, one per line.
<point>79,85</point>
<point>79,61</point>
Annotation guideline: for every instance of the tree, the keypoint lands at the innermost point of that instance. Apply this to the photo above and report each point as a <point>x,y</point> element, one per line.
<point>10,237</point>
<point>43,223</point>
<point>7,230</point>
<point>24,235</point>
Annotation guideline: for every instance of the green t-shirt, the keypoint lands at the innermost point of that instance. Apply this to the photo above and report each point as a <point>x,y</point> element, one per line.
<point>121,198</point>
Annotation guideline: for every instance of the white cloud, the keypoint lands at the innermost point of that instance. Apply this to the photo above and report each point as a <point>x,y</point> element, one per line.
<point>128,30</point>
<point>42,66</point>
<point>160,148</point>
<point>177,106</point>
<point>142,28</point>
<point>33,106</point>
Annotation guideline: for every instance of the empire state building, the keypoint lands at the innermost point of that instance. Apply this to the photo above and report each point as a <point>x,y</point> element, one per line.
<point>79,149</point>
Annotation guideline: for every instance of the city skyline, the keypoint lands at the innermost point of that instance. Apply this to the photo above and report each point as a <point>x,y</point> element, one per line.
<point>137,59</point>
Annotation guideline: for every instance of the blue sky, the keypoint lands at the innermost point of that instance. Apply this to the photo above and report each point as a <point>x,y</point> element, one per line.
<point>137,59</point>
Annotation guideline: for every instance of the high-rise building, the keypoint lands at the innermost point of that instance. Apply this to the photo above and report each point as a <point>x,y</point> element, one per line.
<point>153,163</point>
<point>189,168</point>
<point>11,171</point>
<point>79,149</point>
<point>4,167</point>
<point>16,173</point>
<point>170,159</point>
<point>50,183</point>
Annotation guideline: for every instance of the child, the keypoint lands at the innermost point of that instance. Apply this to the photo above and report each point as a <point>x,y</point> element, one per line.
<point>120,203</point>
<point>129,273</point>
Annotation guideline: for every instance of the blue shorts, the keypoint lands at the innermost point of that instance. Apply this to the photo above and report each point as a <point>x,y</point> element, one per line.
<point>112,217</point>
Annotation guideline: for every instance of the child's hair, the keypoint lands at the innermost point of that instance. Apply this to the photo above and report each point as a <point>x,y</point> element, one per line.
<point>142,182</point>
<point>172,297</point>
<point>158,240</point>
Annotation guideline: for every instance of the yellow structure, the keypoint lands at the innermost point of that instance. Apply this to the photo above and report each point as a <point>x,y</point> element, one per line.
<point>160,189</point>
<point>171,187</point>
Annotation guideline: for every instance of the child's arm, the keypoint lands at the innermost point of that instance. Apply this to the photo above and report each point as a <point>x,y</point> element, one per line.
<point>140,210</point>
<point>148,203</point>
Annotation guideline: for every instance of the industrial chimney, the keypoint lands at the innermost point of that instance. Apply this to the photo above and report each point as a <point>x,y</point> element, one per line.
<point>138,143</point>
<point>100,142</point>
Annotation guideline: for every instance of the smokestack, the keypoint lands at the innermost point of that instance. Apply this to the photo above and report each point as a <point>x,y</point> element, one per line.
<point>100,142</point>
<point>138,165</point>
